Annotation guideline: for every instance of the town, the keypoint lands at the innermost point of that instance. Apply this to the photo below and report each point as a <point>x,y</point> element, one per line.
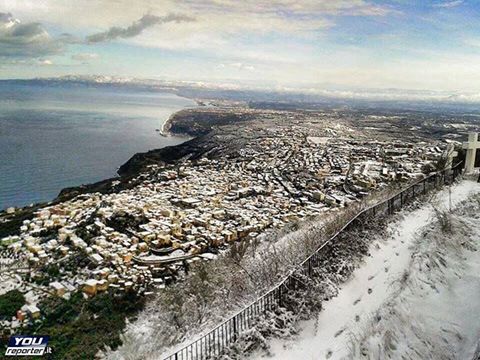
<point>143,238</point>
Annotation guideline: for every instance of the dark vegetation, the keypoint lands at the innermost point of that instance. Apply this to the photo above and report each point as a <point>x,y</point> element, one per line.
<point>125,222</point>
<point>193,149</point>
<point>10,302</point>
<point>11,223</point>
<point>47,274</point>
<point>79,327</point>
<point>197,122</point>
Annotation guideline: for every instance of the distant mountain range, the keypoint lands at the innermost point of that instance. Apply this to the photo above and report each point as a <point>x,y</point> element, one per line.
<point>302,96</point>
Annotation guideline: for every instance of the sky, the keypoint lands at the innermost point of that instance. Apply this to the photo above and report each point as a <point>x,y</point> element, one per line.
<point>339,44</point>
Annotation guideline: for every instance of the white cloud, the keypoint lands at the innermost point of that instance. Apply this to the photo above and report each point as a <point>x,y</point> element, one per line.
<point>229,30</point>
<point>239,66</point>
<point>449,4</point>
<point>84,57</point>
<point>472,42</point>
<point>101,13</point>
<point>137,27</point>
<point>29,39</point>
<point>216,20</point>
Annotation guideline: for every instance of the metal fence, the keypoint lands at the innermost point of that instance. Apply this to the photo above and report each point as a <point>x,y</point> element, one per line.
<point>217,340</point>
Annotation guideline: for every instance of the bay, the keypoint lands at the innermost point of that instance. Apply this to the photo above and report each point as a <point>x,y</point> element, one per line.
<point>56,137</point>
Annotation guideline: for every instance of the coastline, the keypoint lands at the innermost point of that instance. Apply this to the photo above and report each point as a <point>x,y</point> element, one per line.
<point>195,143</point>
<point>102,164</point>
<point>167,125</point>
<point>164,131</point>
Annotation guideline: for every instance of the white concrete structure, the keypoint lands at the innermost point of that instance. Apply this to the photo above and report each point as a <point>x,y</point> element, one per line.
<point>471,146</point>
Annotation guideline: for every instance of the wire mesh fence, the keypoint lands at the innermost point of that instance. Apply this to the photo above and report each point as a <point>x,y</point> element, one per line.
<point>215,342</point>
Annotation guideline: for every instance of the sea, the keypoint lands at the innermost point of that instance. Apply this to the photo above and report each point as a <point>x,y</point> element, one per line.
<point>62,136</point>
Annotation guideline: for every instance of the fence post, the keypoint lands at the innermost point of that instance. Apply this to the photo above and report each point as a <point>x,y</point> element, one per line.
<point>214,343</point>
<point>235,328</point>
<point>280,300</point>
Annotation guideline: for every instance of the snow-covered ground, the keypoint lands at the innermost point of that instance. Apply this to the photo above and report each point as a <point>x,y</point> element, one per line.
<point>395,305</point>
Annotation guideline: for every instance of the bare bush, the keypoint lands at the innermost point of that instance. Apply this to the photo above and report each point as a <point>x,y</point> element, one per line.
<point>444,219</point>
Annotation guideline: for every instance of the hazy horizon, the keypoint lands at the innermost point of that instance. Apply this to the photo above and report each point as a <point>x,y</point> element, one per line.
<point>347,44</point>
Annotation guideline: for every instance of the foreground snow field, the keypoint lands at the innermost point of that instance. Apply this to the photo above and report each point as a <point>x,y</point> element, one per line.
<point>416,296</point>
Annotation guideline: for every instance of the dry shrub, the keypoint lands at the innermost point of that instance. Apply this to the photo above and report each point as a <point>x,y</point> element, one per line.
<point>444,219</point>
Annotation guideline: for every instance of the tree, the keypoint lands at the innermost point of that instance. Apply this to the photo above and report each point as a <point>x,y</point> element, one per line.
<point>10,302</point>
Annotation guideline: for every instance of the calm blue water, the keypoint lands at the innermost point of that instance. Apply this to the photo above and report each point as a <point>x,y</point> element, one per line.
<point>51,138</point>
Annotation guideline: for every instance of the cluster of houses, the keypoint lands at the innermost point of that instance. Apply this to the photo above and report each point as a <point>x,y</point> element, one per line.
<point>142,238</point>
